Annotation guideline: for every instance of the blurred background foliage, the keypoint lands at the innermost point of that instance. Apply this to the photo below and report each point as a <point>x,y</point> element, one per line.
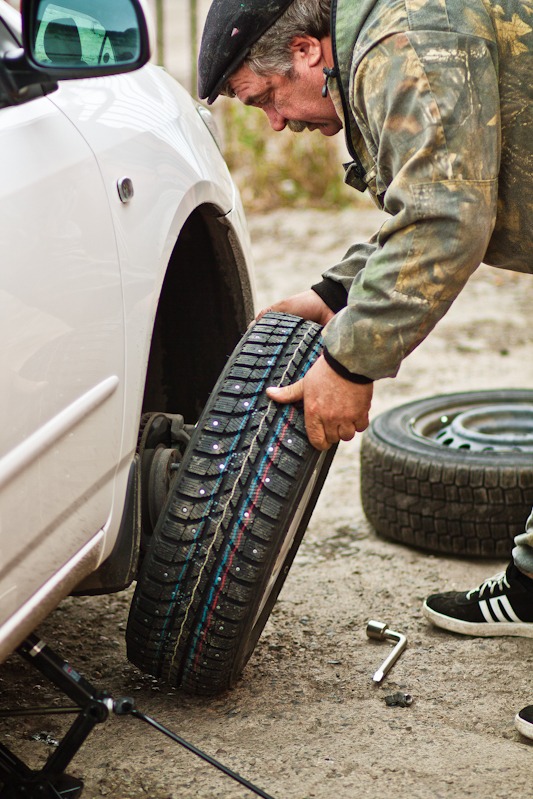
<point>283,168</point>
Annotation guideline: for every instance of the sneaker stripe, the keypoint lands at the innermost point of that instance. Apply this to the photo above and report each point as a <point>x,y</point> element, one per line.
<point>485,611</point>
<point>498,609</point>
<point>507,608</point>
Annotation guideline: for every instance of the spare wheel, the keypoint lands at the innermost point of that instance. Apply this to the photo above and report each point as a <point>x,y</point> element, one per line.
<point>451,473</point>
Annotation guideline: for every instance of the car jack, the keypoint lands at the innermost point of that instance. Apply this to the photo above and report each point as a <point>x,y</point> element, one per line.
<point>92,707</point>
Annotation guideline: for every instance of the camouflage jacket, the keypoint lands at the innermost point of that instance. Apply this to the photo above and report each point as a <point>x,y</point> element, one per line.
<point>437,98</point>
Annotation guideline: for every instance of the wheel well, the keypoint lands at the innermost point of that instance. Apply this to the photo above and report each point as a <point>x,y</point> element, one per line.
<point>204,308</point>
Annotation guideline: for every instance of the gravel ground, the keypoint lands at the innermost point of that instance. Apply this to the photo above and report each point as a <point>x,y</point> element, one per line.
<point>306,721</point>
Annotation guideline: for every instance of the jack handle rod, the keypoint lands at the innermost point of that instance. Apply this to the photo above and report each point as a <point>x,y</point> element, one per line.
<point>208,759</point>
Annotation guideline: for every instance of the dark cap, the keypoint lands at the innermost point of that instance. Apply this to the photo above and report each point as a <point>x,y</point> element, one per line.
<point>231,28</point>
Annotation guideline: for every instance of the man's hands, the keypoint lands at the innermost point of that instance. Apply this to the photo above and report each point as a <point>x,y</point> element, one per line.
<point>308,305</point>
<point>335,409</point>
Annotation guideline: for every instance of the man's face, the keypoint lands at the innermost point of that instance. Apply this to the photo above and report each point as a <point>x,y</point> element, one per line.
<point>286,100</point>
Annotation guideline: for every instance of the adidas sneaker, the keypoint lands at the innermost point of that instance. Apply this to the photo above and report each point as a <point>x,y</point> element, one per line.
<point>501,605</point>
<point>523,721</point>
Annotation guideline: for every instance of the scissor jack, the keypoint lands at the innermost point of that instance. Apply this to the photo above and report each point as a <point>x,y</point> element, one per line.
<point>92,707</point>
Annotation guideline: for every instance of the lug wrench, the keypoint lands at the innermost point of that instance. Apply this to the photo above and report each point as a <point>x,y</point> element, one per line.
<point>380,631</point>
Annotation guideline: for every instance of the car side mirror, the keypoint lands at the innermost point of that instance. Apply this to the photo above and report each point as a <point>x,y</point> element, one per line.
<point>84,38</point>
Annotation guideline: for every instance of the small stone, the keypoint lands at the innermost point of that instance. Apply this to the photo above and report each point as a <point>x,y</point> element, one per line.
<point>399,699</point>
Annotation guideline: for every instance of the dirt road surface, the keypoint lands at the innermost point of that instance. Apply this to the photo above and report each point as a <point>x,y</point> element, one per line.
<point>306,721</point>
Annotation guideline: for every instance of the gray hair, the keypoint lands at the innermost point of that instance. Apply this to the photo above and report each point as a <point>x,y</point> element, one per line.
<point>271,54</point>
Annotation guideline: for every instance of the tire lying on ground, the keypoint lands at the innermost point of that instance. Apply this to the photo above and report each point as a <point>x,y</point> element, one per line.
<point>234,518</point>
<point>453,473</point>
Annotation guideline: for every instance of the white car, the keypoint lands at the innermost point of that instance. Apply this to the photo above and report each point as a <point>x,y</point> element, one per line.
<point>125,285</point>
<point>138,442</point>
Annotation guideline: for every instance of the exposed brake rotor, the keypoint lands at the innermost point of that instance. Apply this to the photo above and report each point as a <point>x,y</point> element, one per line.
<point>163,439</point>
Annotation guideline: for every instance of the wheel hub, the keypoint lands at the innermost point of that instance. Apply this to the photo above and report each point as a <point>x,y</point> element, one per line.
<point>163,440</point>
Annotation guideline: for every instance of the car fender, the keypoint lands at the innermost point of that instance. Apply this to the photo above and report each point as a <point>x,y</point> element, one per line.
<point>176,172</point>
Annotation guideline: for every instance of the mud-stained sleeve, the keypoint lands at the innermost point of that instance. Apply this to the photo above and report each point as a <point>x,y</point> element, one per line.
<point>427,106</point>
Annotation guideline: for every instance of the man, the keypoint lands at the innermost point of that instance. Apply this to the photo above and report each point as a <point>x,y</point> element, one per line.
<point>435,99</point>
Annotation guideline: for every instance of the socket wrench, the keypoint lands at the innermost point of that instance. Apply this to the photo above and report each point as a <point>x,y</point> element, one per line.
<point>380,631</point>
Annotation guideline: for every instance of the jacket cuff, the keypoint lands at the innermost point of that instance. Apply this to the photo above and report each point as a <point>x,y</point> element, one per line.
<point>343,371</point>
<point>334,294</point>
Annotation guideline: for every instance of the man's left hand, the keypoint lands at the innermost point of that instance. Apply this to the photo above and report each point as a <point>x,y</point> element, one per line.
<point>335,409</point>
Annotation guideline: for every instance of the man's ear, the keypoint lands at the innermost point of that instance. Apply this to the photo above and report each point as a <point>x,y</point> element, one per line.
<point>308,49</point>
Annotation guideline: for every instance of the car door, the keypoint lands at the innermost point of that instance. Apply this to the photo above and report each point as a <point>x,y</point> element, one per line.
<point>61,351</point>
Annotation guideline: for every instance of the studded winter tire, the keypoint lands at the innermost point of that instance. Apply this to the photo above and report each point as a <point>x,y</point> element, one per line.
<point>452,473</point>
<point>234,518</point>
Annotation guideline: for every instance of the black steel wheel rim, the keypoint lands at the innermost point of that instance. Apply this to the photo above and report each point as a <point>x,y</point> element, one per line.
<point>478,427</point>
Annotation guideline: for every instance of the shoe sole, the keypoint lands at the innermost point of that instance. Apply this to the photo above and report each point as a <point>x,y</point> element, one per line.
<point>481,629</point>
<point>525,728</point>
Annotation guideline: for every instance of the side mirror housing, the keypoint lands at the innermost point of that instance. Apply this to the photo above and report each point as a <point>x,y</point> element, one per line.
<point>84,38</point>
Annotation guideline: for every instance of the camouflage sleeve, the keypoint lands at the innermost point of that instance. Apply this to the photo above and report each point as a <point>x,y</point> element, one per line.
<point>427,106</point>
<point>351,264</point>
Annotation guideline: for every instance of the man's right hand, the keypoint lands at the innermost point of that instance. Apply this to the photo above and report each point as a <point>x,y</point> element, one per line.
<point>307,304</point>
<point>335,409</point>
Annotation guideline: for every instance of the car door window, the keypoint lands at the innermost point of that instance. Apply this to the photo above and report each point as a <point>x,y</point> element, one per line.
<point>9,95</point>
<point>6,38</point>
<point>7,42</point>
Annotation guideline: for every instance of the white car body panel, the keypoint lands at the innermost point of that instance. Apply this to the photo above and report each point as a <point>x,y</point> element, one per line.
<point>148,226</point>
<point>186,177</point>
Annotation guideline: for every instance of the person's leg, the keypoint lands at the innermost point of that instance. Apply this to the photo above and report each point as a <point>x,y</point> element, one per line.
<point>523,558</point>
<point>523,550</point>
<point>501,605</point>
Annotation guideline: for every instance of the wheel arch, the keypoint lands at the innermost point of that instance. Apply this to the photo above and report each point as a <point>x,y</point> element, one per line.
<point>205,305</point>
